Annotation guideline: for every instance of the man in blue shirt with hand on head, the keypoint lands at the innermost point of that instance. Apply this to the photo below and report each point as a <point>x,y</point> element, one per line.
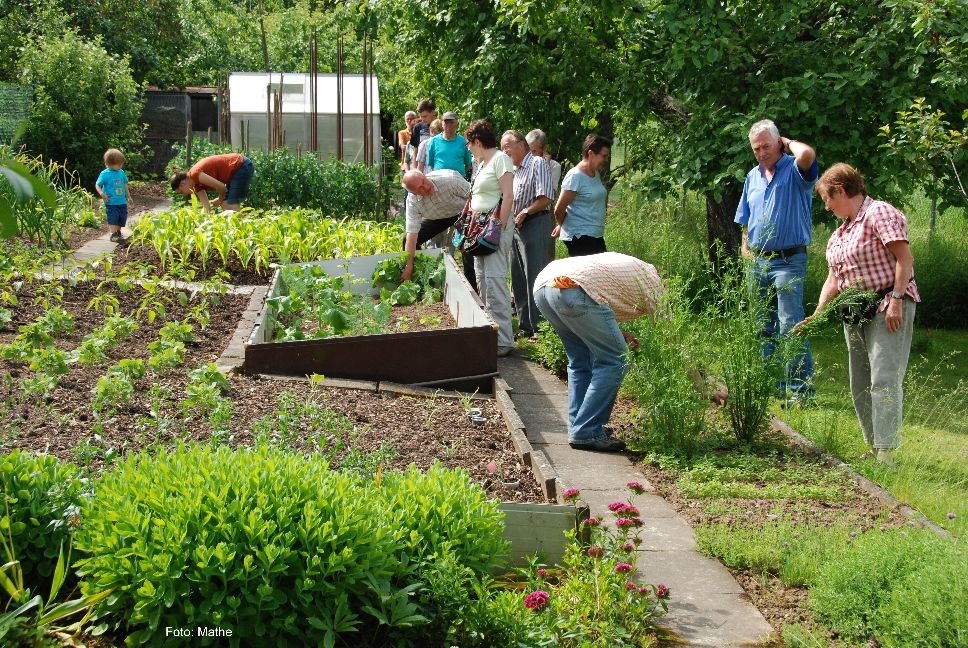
<point>775,212</point>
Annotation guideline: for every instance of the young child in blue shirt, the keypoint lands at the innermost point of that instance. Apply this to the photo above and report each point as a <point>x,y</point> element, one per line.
<point>112,186</point>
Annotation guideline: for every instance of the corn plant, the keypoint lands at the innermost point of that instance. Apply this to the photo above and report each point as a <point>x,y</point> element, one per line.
<point>255,239</point>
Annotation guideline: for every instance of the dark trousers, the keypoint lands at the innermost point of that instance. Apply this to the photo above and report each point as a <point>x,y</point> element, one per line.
<point>529,255</point>
<point>585,245</point>
<point>431,228</point>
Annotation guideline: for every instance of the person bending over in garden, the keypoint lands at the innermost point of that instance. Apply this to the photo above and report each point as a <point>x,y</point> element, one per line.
<point>434,202</point>
<point>580,210</point>
<point>229,174</point>
<point>584,298</point>
<point>775,212</point>
<point>870,251</point>
<point>112,187</point>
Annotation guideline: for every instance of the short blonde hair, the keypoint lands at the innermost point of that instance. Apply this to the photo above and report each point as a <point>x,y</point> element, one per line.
<point>113,156</point>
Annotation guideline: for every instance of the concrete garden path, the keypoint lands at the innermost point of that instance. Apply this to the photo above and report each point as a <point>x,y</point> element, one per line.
<point>707,605</point>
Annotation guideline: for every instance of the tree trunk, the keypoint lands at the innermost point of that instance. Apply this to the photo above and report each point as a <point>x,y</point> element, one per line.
<point>723,234</point>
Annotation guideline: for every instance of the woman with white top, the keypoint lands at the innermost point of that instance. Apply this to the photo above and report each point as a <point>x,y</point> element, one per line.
<point>493,189</point>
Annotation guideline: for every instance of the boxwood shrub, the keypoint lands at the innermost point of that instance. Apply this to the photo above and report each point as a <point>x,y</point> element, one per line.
<point>42,497</point>
<point>276,547</point>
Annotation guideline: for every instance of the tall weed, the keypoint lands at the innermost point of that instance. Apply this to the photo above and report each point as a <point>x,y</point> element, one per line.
<point>750,378</point>
<point>671,410</point>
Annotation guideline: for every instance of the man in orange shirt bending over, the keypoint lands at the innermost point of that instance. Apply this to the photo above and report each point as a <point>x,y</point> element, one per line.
<point>229,174</point>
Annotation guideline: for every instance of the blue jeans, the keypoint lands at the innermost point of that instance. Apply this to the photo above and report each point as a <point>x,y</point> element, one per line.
<point>237,189</point>
<point>596,357</point>
<point>780,282</point>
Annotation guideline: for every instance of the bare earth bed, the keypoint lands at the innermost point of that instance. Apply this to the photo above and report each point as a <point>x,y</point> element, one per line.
<point>419,430</point>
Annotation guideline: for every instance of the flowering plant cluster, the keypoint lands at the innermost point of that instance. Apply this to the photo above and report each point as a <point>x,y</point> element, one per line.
<point>592,599</point>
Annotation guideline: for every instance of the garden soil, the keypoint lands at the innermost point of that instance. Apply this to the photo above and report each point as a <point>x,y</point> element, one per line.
<point>419,430</point>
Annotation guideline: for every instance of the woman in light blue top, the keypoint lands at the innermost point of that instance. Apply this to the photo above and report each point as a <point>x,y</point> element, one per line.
<point>580,211</point>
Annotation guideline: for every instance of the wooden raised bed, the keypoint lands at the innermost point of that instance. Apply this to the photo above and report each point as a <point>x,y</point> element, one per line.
<point>462,358</point>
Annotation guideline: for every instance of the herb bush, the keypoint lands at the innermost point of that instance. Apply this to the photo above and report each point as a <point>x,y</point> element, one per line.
<point>590,599</point>
<point>671,410</point>
<point>284,179</point>
<point>940,588</point>
<point>873,574</point>
<point>548,351</point>
<point>41,500</point>
<point>277,547</point>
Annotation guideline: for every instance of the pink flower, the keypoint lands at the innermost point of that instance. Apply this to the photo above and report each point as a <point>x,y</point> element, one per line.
<point>595,552</point>
<point>536,600</point>
<point>617,507</point>
<point>571,494</point>
<point>662,592</point>
<point>643,591</point>
<point>593,521</point>
<point>631,511</point>
<point>628,546</point>
<point>636,487</point>
<point>623,568</point>
<point>627,523</point>
<point>629,586</point>
<point>542,572</point>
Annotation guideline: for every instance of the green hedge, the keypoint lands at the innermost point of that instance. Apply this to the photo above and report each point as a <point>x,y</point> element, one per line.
<point>284,179</point>
<point>42,498</point>
<point>276,547</point>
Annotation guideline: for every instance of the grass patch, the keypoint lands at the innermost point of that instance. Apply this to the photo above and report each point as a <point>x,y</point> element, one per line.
<point>932,472</point>
<point>759,478</point>
<point>795,553</point>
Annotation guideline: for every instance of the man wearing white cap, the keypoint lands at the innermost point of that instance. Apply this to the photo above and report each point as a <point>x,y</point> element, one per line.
<point>449,149</point>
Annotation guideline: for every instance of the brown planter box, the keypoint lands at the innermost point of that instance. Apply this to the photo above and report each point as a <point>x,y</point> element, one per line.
<point>463,358</point>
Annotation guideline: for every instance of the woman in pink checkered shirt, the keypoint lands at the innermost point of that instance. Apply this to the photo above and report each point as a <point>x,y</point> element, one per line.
<point>870,251</point>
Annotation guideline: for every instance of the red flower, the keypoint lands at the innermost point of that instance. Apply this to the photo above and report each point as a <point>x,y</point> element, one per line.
<point>662,592</point>
<point>542,572</point>
<point>623,568</point>
<point>571,494</point>
<point>595,551</point>
<point>537,600</point>
<point>636,487</point>
<point>593,521</point>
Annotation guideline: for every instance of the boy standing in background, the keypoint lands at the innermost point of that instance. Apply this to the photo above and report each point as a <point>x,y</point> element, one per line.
<point>112,186</point>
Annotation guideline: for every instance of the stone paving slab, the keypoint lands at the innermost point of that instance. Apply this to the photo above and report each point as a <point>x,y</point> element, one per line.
<point>599,488</point>
<point>716,620</point>
<point>688,573</point>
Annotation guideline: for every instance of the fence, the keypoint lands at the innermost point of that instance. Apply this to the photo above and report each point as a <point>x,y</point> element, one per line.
<point>14,110</point>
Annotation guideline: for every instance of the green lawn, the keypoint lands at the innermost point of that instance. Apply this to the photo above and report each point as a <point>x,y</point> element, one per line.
<point>932,464</point>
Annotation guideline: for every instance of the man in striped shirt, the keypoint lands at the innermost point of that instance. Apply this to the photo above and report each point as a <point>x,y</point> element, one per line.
<point>584,298</point>
<point>532,225</point>
<point>435,201</point>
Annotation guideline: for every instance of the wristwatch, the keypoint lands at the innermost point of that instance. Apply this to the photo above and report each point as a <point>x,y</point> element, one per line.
<point>897,295</point>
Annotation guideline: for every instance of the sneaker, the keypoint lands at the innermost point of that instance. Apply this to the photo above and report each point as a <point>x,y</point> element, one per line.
<point>116,237</point>
<point>797,401</point>
<point>885,456</point>
<point>608,444</point>
<point>503,352</point>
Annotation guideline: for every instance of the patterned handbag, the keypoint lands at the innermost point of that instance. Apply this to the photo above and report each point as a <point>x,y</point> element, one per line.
<point>481,231</point>
<point>478,233</point>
